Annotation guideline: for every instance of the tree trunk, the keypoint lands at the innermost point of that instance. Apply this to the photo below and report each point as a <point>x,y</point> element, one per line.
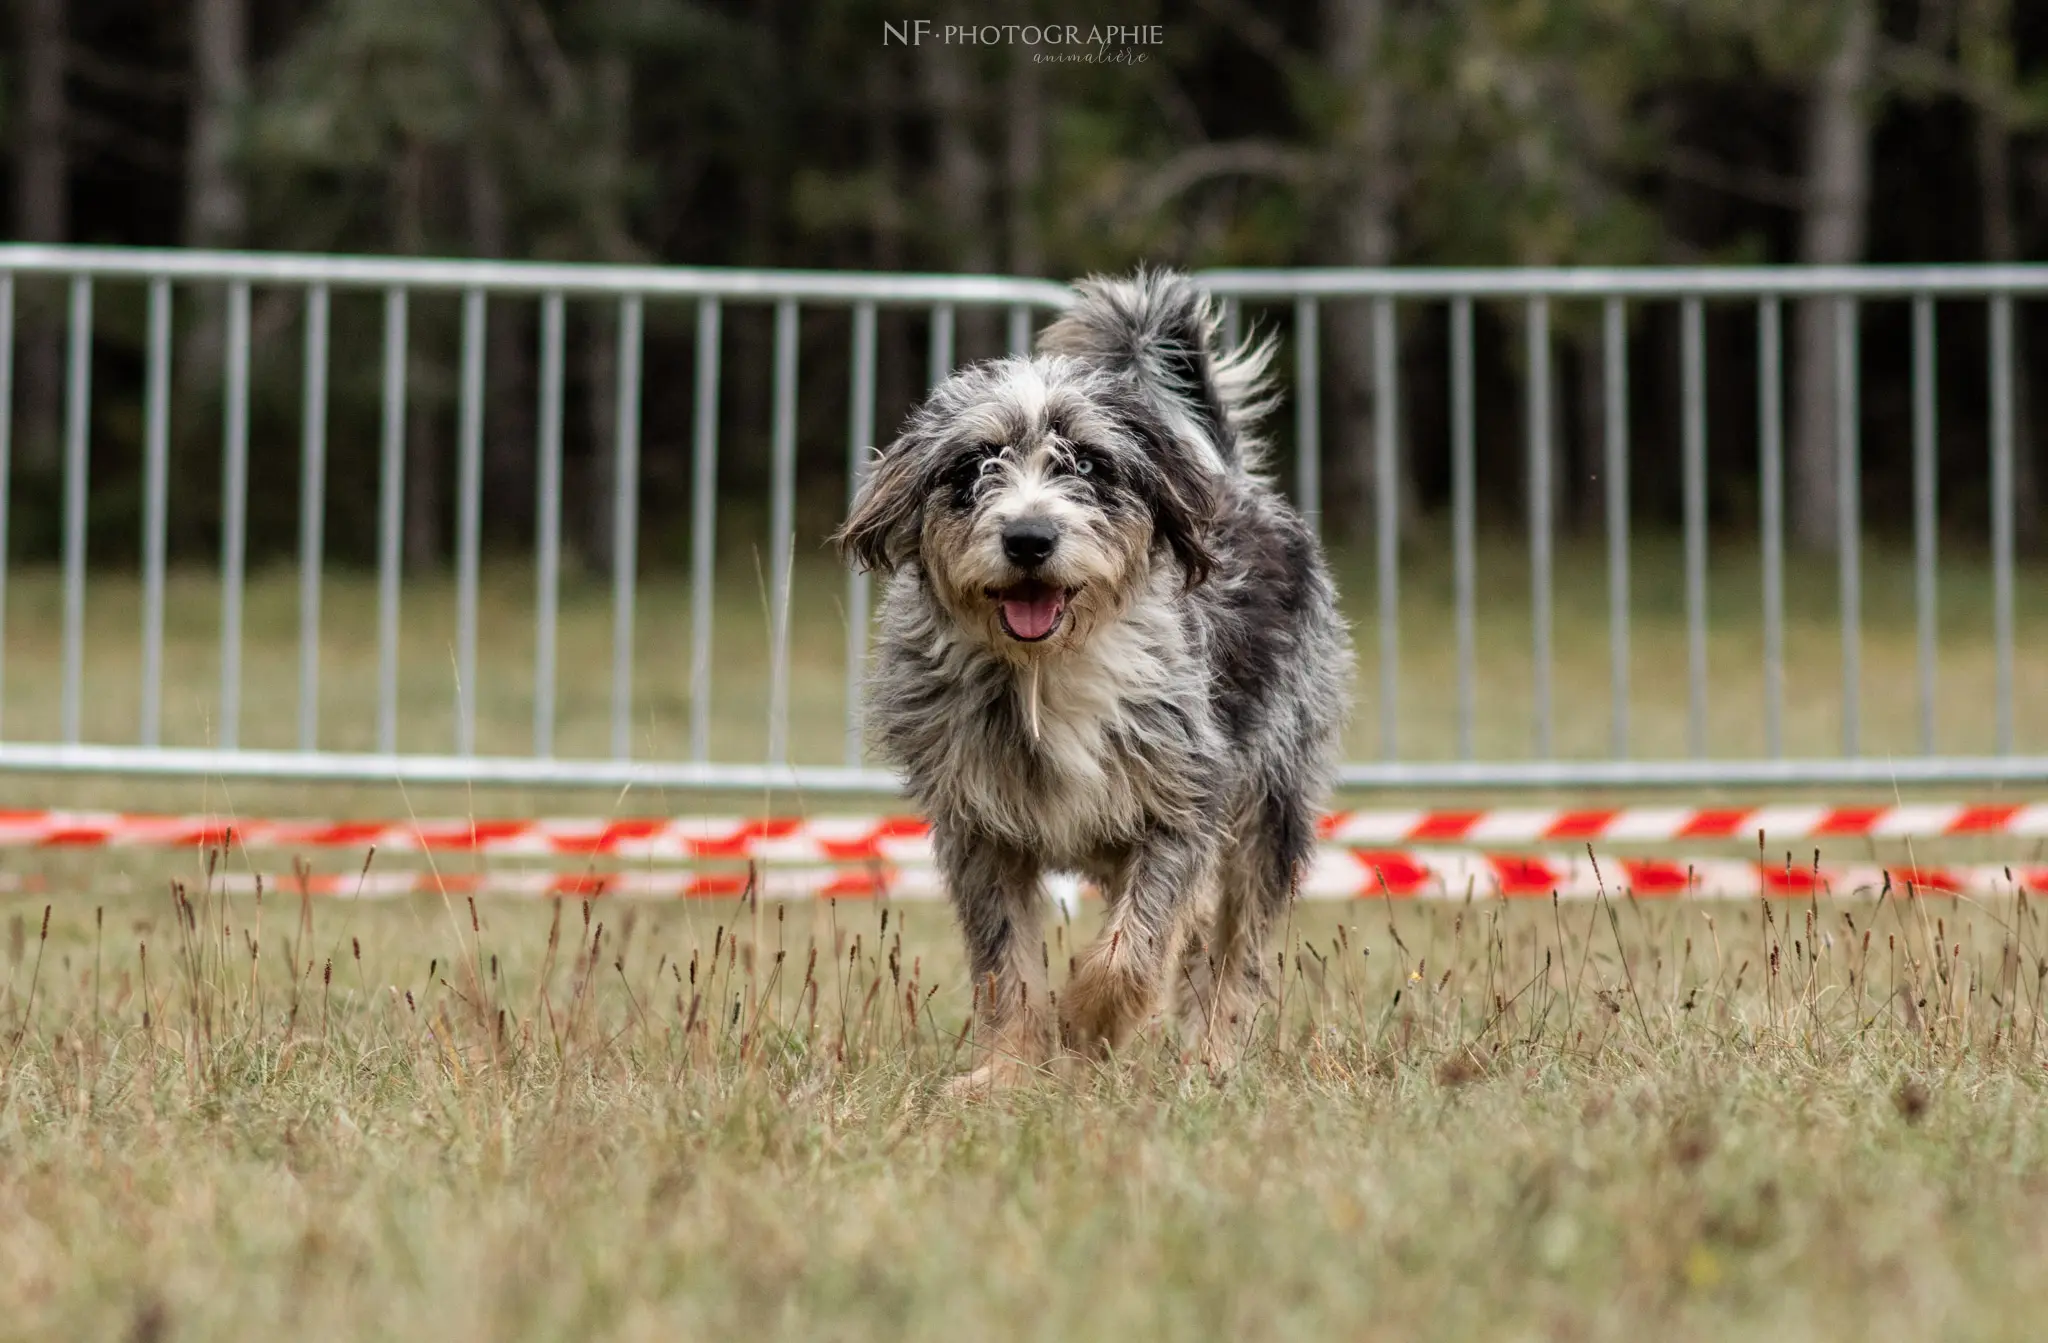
<point>1832,234</point>
<point>613,91</point>
<point>508,464</point>
<point>886,155</point>
<point>1584,499</point>
<point>423,446</point>
<point>41,196</point>
<point>960,186</point>
<point>216,207</point>
<point>899,355</point>
<point>42,214</point>
<point>1362,235</point>
<point>601,376</point>
<point>1987,50</point>
<point>1026,152</point>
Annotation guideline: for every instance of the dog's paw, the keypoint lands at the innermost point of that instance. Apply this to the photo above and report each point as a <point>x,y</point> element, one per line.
<point>996,1075</point>
<point>1222,1045</point>
<point>1216,1026</point>
<point>1103,1004</point>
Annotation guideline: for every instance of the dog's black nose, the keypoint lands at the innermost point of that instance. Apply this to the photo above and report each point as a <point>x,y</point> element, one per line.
<point>1028,541</point>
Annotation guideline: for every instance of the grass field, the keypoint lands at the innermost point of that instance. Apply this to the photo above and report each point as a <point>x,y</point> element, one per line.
<point>239,1119</point>
<point>656,1121</point>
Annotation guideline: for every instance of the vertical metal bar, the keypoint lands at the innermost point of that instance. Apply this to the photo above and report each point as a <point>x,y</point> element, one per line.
<point>1464,557</point>
<point>1693,344</point>
<point>312,511</point>
<point>1539,516</point>
<point>1924,510</point>
<point>625,523</point>
<point>390,517</point>
<point>1232,318</point>
<point>234,512</point>
<point>781,527</point>
<point>156,452</point>
<point>1387,496</point>
<point>77,445</point>
<point>1848,500</point>
<point>1770,414</point>
<point>1308,475</point>
<point>1020,329</point>
<point>6,451</point>
<point>860,435</point>
<point>2002,514</point>
<point>703,526</point>
<point>469,514</point>
<point>939,363</point>
<point>1614,382</point>
<point>548,525</point>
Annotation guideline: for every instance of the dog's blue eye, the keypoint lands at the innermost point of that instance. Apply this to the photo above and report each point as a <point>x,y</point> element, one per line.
<point>1085,467</point>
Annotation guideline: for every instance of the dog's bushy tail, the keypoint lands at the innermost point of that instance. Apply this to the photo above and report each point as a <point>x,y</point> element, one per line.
<point>1162,329</point>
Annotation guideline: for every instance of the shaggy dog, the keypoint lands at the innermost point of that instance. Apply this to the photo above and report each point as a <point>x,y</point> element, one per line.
<point>1108,647</point>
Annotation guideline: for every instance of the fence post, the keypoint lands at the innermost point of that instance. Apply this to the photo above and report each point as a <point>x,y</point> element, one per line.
<point>1308,467</point>
<point>156,453</point>
<point>77,449</point>
<point>391,518</point>
<point>1614,344</point>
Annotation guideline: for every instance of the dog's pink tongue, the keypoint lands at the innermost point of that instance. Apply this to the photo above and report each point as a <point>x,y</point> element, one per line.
<point>1033,617</point>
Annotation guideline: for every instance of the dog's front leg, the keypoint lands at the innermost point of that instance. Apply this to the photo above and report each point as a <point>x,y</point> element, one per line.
<point>999,900</point>
<point>1118,981</point>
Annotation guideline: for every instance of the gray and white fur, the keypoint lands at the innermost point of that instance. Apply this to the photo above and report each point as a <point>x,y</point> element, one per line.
<point>1089,524</point>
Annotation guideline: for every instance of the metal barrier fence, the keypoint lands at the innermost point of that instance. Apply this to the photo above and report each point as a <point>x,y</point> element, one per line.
<point>1021,302</point>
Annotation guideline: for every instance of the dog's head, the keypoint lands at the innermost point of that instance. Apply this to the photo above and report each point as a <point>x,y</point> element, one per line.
<point>1039,497</point>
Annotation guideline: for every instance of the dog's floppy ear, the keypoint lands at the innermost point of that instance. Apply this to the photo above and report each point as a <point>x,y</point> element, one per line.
<point>881,530</point>
<point>1184,495</point>
<point>1182,514</point>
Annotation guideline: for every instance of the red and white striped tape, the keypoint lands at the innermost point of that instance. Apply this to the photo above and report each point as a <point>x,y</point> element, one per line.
<point>906,840</point>
<point>1452,873</point>
<point>1336,874</point>
<point>824,839</point>
<point>1663,825</point>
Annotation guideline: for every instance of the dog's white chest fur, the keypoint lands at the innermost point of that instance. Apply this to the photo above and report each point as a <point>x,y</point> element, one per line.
<point>1088,778</point>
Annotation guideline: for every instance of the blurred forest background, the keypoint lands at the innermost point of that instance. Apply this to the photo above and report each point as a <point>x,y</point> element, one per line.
<point>1287,132</point>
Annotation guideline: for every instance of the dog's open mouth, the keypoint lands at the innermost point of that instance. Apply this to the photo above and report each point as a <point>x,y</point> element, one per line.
<point>1030,610</point>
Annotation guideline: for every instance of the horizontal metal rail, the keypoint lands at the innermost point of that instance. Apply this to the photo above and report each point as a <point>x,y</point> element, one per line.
<point>1646,282</point>
<point>522,277</point>
<point>413,768</point>
<point>536,772</point>
<point>527,277</point>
